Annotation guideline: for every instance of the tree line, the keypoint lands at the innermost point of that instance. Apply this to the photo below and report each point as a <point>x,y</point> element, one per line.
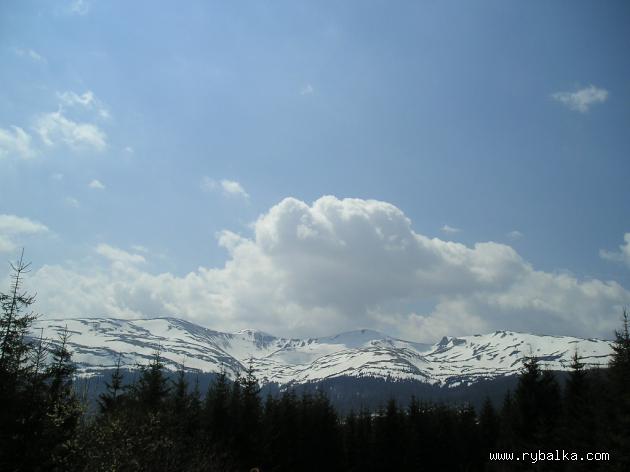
<point>161,423</point>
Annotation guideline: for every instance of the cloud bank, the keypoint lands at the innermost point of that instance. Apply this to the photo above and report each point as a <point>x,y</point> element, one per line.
<point>342,264</point>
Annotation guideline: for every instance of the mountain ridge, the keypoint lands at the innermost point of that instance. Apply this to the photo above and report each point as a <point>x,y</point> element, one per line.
<point>452,361</point>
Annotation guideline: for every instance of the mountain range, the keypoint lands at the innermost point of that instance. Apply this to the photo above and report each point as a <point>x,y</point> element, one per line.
<point>97,343</point>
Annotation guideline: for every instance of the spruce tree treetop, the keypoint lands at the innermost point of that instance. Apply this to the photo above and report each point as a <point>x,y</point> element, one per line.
<point>110,400</point>
<point>152,388</point>
<point>620,362</point>
<point>15,323</point>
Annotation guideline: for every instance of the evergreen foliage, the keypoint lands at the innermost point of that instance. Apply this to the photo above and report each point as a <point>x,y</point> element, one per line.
<point>39,413</point>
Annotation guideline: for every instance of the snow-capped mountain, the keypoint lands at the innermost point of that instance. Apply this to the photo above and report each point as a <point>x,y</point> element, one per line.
<point>97,342</point>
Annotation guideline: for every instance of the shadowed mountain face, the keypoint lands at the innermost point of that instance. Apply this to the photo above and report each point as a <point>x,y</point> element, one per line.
<point>97,342</point>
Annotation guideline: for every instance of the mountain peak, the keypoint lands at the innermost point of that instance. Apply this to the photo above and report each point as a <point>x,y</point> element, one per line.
<point>97,342</point>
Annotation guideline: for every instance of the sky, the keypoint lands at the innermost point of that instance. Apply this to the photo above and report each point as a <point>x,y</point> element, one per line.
<point>422,168</point>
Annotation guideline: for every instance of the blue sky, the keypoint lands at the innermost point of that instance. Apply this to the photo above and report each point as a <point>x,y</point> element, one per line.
<point>133,135</point>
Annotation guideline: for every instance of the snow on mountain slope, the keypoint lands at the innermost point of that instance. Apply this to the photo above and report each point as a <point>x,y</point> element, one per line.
<point>501,353</point>
<point>97,342</point>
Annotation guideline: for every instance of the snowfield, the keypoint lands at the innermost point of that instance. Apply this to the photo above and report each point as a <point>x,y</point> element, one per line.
<point>96,344</point>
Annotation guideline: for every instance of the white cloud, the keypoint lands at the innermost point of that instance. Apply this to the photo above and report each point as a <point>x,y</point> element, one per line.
<point>57,176</point>
<point>86,100</point>
<point>55,128</point>
<point>581,100</point>
<point>11,224</point>
<point>450,229</point>
<point>31,54</point>
<point>229,188</point>
<point>72,202</point>
<point>622,256</point>
<point>14,228</point>
<point>129,150</point>
<point>307,90</point>
<point>16,142</point>
<point>115,254</point>
<point>342,264</point>
<point>515,234</point>
<point>96,184</point>
<point>233,188</point>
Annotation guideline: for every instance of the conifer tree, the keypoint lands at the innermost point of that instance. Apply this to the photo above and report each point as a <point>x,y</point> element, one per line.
<point>619,371</point>
<point>549,408</point>
<point>61,369</point>
<point>508,423</point>
<point>538,403</point>
<point>579,428</point>
<point>14,328</point>
<point>64,409</point>
<point>110,400</point>
<point>152,388</point>
<point>489,426</point>
<point>217,416</point>
<point>249,432</point>
<point>22,401</point>
<point>180,397</point>
<point>620,362</point>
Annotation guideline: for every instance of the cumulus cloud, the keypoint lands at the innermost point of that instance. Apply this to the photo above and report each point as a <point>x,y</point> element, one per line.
<point>230,188</point>
<point>55,128</point>
<point>115,254</point>
<point>96,184</point>
<point>581,100</point>
<point>342,264</point>
<point>450,229</point>
<point>86,100</point>
<point>307,90</point>
<point>623,255</point>
<point>14,228</point>
<point>16,142</point>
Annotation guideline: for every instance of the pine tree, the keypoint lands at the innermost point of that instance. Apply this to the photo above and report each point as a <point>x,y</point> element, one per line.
<point>619,365</point>
<point>152,389</point>
<point>180,397</point>
<point>527,400</point>
<point>579,428</point>
<point>489,426</point>
<point>508,423</point>
<point>64,409</point>
<point>248,433</point>
<point>110,400</point>
<point>14,328</point>
<point>216,414</point>
<point>61,369</point>
<point>619,371</point>
<point>22,400</point>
